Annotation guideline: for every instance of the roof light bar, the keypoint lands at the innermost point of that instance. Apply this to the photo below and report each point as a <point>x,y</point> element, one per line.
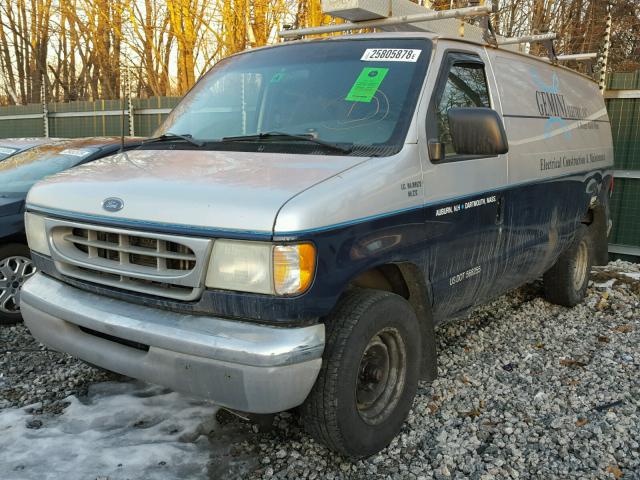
<point>467,12</point>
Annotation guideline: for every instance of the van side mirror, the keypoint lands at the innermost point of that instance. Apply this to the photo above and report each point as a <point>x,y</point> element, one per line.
<point>436,150</point>
<point>477,131</point>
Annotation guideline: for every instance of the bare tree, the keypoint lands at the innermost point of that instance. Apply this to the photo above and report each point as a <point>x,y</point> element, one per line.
<point>79,47</point>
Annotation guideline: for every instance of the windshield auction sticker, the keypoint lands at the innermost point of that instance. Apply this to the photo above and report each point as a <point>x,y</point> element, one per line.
<point>391,55</point>
<point>367,84</point>
<point>75,152</point>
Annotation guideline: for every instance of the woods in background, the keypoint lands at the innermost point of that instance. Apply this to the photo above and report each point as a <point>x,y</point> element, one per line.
<point>79,48</point>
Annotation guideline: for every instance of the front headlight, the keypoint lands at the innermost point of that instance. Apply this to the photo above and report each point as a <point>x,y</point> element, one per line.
<point>243,266</point>
<point>36,233</point>
<point>261,267</point>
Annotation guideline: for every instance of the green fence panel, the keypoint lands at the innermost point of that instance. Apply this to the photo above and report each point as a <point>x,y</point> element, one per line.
<point>624,81</point>
<point>145,123</point>
<point>86,119</point>
<point>104,119</point>
<point>624,114</point>
<point>21,128</point>
<point>625,128</point>
<point>24,127</point>
<point>625,212</point>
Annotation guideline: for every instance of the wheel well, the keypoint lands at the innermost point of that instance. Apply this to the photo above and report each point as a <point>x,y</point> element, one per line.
<point>408,281</point>
<point>19,237</point>
<point>384,277</point>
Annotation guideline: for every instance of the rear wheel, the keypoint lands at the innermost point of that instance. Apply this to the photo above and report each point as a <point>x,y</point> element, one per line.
<point>566,282</point>
<point>15,268</point>
<point>369,374</point>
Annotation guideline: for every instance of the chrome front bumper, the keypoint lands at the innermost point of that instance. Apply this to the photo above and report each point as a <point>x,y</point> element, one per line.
<point>239,365</point>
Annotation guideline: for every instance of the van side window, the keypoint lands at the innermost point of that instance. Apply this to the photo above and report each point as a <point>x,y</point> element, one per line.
<point>466,86</point>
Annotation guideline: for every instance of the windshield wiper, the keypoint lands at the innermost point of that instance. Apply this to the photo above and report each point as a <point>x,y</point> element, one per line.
<point>172,137</point>
<point>305,137</point>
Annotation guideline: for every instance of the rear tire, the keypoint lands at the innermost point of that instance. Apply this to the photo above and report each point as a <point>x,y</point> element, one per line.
<point>566,282</point>
<point>15,268</point>
<point>369,374</point>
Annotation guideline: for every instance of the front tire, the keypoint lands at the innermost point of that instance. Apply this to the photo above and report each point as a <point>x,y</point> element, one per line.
<point>369,374</point>
<point>566,282</point>
<point>15,268</point>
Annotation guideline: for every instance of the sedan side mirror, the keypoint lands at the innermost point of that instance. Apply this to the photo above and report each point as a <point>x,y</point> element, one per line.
<point>477,131</point>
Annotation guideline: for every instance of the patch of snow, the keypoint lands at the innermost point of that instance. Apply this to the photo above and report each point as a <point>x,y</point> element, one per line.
<point>605,285</point>
<point>634,275</point>
<point>119,431</point>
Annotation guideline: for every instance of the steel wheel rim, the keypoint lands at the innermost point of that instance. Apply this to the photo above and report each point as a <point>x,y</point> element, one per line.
<point>14,271</point>
<point>381,376</point>
<point>582,262</point>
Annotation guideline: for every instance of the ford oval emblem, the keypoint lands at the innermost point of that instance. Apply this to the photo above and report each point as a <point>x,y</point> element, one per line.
<point>112,204</point>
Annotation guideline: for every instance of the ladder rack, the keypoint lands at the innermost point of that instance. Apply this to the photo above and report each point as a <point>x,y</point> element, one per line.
<point>543,37</point>
<point>389,15</point>
<point>578,57</point>
<point>427,16</point>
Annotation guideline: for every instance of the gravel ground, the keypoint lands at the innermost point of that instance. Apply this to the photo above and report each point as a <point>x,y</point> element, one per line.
<point>526,389</point>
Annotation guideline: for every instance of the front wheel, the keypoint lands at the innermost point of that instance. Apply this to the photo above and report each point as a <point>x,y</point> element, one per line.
<point>566,282</point>
<point>15,268</point>
<point>369,374</point>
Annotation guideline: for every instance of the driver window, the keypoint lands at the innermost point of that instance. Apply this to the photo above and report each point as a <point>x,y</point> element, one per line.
<point>466,86</point>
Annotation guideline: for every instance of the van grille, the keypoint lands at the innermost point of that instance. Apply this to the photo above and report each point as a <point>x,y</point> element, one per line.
<point>154,264</point>
<point>121,248</point>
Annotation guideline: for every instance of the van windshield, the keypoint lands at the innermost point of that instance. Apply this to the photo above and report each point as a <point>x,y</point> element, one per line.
<point>358,93</point>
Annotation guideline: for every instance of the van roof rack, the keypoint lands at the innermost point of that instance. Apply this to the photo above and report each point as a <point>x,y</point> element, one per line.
<point>578,57</point>
<point>404,15</point>
<point>390,21</point>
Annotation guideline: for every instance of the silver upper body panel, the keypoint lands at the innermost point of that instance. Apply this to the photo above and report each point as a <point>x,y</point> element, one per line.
<point>288,193</point>
<point>224,190</point>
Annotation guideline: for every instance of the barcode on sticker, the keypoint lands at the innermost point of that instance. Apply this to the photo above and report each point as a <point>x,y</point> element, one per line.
<point>391,55</point>
<point>75,153</point>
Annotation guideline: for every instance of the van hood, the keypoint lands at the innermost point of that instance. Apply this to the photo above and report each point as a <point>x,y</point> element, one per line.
<point>240,191</point>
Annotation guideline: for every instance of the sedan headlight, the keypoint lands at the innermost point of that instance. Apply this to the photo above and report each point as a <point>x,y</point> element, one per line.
<point>261,267</point>
<point>36,233</point>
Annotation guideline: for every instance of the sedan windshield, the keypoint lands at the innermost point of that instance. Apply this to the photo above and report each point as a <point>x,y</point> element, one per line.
<point>6,152</point>
<point>359,94</point>
<point>19,172</point>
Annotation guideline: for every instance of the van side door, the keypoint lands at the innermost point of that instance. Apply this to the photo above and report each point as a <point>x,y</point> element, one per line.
<point>462,192</point>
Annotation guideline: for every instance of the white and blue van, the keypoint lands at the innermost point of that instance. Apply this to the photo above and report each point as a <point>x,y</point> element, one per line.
<point>310,211</point>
